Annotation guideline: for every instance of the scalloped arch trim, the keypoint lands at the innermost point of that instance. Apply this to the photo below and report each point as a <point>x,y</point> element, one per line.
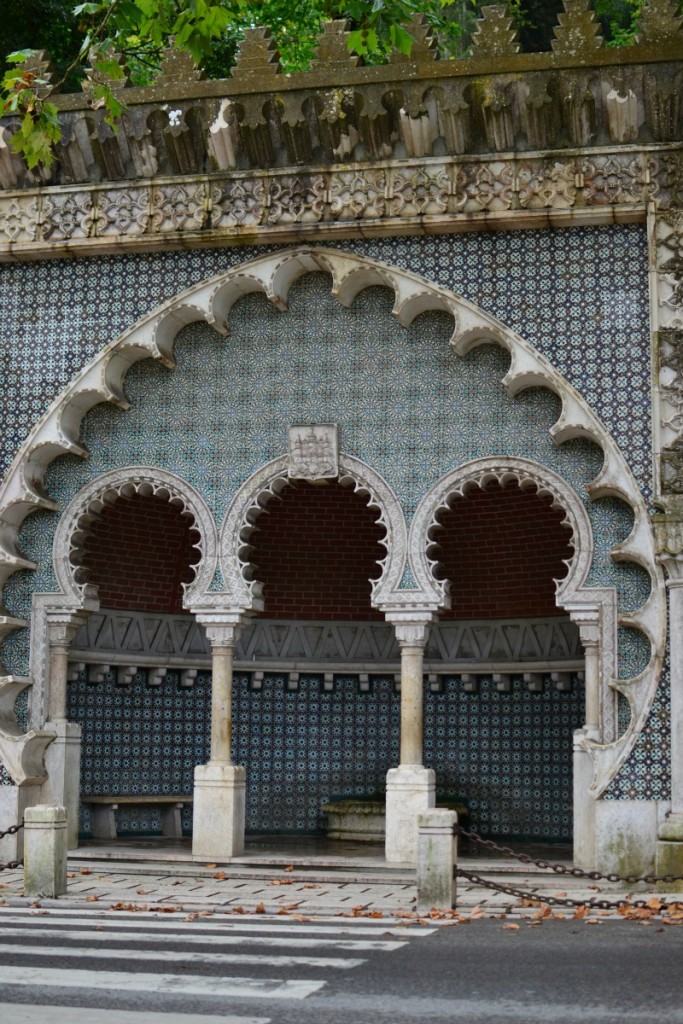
<point>273,274</point>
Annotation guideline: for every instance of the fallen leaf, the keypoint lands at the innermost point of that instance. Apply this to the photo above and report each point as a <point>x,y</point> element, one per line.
<point>85,871</point>
<point>238,910</point>
<point>191,917</point>
<point>655,904</point>
<point>220,875</point>
<point>476,913</point>
<point>283,910</point>
<point>560,894</point>
<point>168,910</point>
<point>594,920</point>
<point>206,913</point>
<point>309,885</point>
<point>91,899</point>
<point>290,867</point>
<point>512,927</point>
<point>211,865</point>
<point>282,881</point>
<point>581,911</point>
<point>259,909</point>
<point>373,913</point>
<point>300,917</point>
<point>69,874</point>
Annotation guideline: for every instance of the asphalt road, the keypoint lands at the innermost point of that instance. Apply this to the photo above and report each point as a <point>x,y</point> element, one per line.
<point>84,967</point>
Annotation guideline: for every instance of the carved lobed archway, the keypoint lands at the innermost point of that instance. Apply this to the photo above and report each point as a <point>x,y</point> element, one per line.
<point>102,380</point>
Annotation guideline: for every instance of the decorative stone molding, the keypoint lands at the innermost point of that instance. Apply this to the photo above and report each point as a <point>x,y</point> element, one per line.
<point>422,195</point>
<point>145,639</point>
<point>150,481</point>
<point>666,277</point>
<point>313,452</point>
<point>245,592</point>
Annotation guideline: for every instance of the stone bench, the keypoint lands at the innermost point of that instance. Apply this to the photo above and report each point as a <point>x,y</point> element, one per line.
<point>104,812</point>
<point>364,821</point>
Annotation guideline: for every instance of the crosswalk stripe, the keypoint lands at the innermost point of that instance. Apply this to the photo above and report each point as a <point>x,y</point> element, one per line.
<point>187,957</point>
<point>289,942</point>
<point>159,984</point>
<point>21,1013</point>
<point>171,922</point>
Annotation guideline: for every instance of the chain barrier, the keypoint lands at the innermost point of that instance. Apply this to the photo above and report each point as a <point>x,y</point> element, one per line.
<point>11,831</point>
<point>562,869</point>
<point>556,901</point>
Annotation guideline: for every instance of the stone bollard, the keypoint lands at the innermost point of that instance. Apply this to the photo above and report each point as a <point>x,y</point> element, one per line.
<point>437,847</point>
<point>45,846</point>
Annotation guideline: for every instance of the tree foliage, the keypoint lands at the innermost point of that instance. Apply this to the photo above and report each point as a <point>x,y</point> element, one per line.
<point>88,37</point>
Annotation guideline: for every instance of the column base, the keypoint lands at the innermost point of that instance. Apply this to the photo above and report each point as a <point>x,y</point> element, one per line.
<point>410,791</point>
<point>63,766</point>
<point>218,815</point>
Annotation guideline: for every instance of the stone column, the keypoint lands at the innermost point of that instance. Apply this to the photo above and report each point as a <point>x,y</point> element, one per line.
<point>587,618</point>
<point>219,786</point>
<point>411,786</point>
<point>63,756</point>
<point>669,857</point>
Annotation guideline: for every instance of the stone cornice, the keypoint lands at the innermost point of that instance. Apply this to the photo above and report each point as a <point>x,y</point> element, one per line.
<point>426,195</point>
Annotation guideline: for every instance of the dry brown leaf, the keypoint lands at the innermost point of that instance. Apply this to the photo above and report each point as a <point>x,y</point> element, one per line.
<point>309,885</point>
<point>206,913</point>
<point>259,909</point>
<point>581,911</point>
<point>281,881</point>
<point>191,917</point>
<point>211,865</point>
<point>69,874</point>
<point>560,894</point>
<point>668,920</point>
<point>290,867</point>
<point>373,913</point>
<point>300,917</point>
<point>91,899</point>
<point>238,910</point>
<point>476,913</point>
<point>512,927</point>
<point>283,910</point>
<point>168,910</point>
<point>655,904</point>
<point>220,875</point>
<point>85,871</point>
<point>594,920</point>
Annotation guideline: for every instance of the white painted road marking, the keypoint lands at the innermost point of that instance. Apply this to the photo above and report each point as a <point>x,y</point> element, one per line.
<point>159,984</point>
<point>162,921</point>
<point>173,956</point>
<point>20,1013</point>
<point>90,935</point>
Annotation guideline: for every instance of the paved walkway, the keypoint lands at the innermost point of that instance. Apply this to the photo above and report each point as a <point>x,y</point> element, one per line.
<point>308,883</point>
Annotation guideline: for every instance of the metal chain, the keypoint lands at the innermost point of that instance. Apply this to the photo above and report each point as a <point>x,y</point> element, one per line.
<point>559,901</point>
<point>562,869</point>
<point>12,830</point>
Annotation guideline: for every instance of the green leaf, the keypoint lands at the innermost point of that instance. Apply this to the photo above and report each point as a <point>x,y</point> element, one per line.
<point>89,9</point>
<point>19,56</point>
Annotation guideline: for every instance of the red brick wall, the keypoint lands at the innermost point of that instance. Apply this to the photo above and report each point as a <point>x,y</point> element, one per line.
<point>315,551</point>
<point>501,548</point>
<point>139,552</point>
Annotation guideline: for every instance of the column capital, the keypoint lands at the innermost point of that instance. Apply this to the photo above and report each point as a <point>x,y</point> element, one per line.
<point>221,628</point>
<point>411,628</point>
<point>62,626</point>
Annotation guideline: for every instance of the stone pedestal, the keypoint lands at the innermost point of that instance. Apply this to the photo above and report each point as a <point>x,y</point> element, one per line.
<point>63,765</point>
<point>13,803</point>
<point>436,859</point>
<point>218,812</point>
<point>45,851</point>
<point>669,856</point>
<point>411,789</point>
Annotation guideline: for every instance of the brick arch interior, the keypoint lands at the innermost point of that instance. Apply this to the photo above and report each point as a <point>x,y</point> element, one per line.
<point>139,552</point>
<point>501,547</point>
<point>315,550</point>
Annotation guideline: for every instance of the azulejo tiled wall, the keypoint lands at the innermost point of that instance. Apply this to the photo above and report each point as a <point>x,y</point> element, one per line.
<point>306,747</point>
<point>405,402</point>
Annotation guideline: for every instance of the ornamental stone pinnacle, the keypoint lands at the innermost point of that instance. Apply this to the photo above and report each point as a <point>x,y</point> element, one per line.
<point>495,35</point>
<point>424,49</point>
<point>257,56</point>
<point>660,23</point>
<point>577,29</point>
<point>177,66</point>
<point>332,51</point>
